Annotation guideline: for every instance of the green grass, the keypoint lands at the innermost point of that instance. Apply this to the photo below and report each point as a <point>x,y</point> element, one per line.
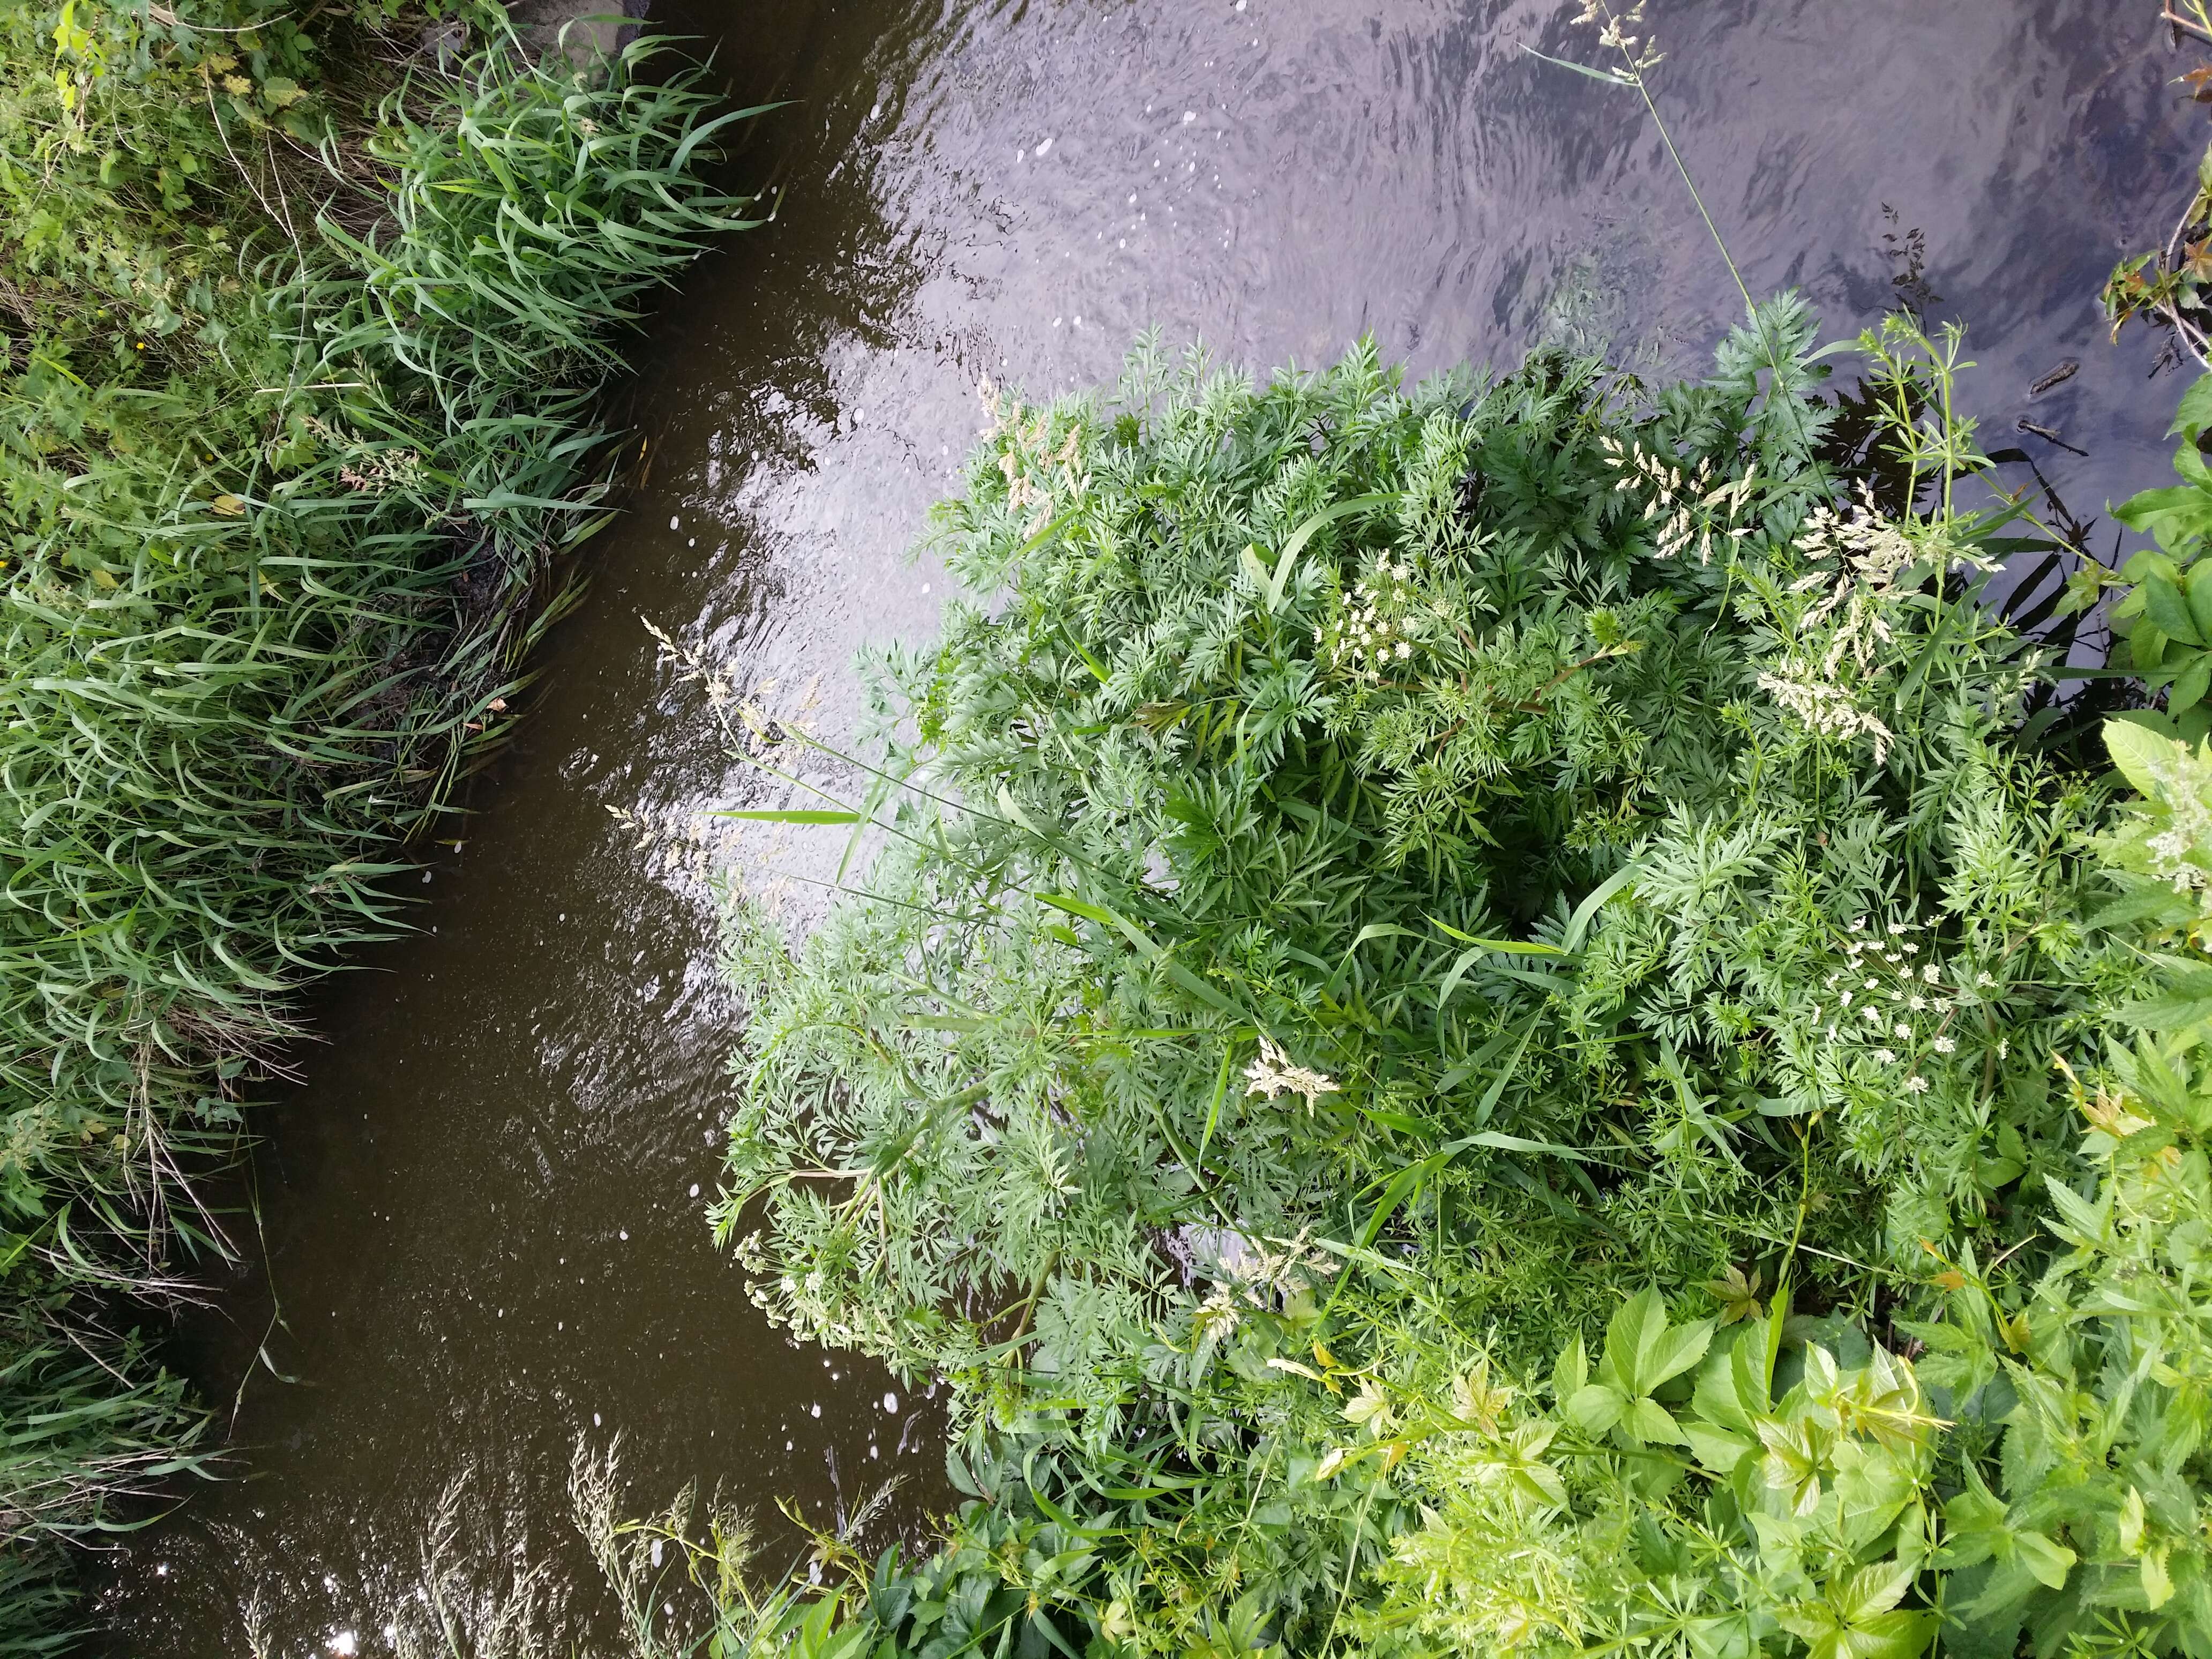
<point>297,428</point>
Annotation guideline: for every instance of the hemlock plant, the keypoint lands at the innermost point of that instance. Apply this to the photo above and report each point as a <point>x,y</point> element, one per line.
<point>1501,1016</point>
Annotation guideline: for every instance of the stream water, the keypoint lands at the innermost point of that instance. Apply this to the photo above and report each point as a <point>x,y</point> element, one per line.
<point>480,1230</point>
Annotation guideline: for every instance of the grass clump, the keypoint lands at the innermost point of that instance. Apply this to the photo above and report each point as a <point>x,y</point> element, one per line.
<point>295,422</point>
<point>1500,1016</point>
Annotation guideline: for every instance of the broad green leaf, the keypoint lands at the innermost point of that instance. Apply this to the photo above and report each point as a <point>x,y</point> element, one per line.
<point>1717,1449</point>
<point>2045,1557</point>
<point>2189,685</point>
<point>1648,1421</point>
<point>2194,417</point>
<point>1673,1352</point>
<point>1629,1335</point>
<point>1570,1372</point>
<point>2169,612</point>
<point>2138,754</point>
<point>1594,1409</point>
<point>2197,589</point>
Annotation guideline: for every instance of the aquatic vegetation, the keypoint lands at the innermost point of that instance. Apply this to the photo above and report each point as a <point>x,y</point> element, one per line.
<point>1500,1016</point>
<point>298,427</point>
<point>2166,287</point>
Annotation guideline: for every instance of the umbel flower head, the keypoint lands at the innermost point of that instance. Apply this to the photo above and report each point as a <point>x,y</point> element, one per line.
<point>1272,1074</point>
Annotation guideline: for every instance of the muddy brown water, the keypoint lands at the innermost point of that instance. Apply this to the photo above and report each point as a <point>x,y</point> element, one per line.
<point>481,1232</point>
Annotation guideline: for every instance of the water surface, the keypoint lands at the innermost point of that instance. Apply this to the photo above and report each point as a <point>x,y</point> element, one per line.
<point>482,1206</point>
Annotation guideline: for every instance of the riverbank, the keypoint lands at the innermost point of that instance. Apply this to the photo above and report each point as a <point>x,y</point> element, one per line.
<point>800,402</point>
<point>306,329</point>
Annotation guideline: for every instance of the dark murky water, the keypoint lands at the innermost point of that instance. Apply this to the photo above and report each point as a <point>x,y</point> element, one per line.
<point>482,1224</point>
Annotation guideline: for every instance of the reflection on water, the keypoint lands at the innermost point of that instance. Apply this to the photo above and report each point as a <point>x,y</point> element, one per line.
<point>481,1208</point>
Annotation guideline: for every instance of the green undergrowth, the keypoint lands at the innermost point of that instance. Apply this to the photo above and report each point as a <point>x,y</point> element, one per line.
<point>303,331</point>
<point>1502,1016</point>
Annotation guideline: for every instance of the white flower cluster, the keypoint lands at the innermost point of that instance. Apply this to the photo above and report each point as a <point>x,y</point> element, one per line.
<point>1894,998</point>
<point>1373,628</point>
<point>1251,1276</point>
<point>1697,511</point>
<point>384,469</point>
<point>1272,1075</point>
<point>2189,823</point>
<point>1871,553</point>
<point>1612,31</point>
<point>1824,707</point>
<point>1036,475</point>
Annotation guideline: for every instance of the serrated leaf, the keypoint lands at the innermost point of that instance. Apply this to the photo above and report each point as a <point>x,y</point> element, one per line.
<point>1652,1422</point>
<point>2138,754</point>
<point>2168,611</point>
<point>1715,1448</point>
<point>1595,1408</point>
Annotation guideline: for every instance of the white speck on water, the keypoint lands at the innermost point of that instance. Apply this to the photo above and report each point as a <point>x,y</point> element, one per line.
<point>595,1419</point>
<point>1041,148</point>
<point>560,1324</point>
<point>1079,322</point>
<point>1057,321</point>
<point>1189,115</point>
<point>815,1410</point>
<point>673,520</point>
<point>426,875</point>
<point>162,1570</point>
<point>1125,241</point>
<point>694,1189</point>
<point>1133,198</point>
<point>1240,5</point>
<point>344,1643</point>
<point>872,1450</point>
<point>625,1232</point>
<point>873,113</point>
<point>786,1445</point>
<point>924,590</point>
<point>694,542</point>
<point>890,1402</point>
